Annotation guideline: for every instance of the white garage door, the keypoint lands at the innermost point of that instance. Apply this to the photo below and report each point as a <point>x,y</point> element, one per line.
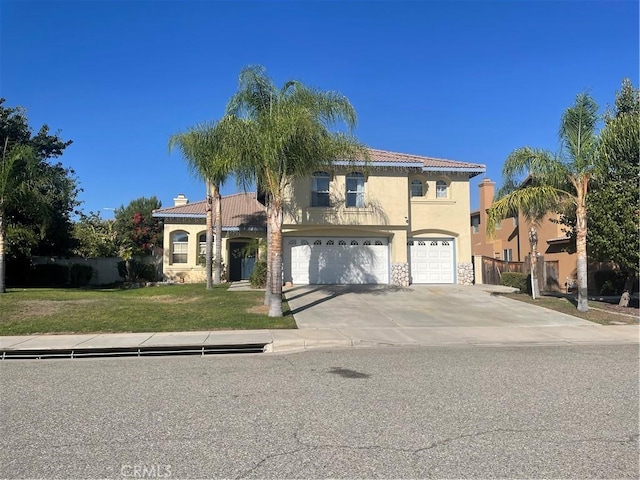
<point>336,260</point>
<point>432,260</point>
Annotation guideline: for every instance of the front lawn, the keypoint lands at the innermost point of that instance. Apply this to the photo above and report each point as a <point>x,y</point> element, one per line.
<point>599,312</point>
<point>152,309</point>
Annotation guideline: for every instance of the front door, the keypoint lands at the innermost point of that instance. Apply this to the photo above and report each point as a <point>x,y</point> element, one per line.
<point>240,263</point>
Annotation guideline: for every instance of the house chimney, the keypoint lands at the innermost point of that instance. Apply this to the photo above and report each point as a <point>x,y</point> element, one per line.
<point>487,191</point>
<point>180,200</point>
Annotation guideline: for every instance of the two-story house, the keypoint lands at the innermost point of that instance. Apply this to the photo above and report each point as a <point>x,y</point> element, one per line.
<point>396,219</point>
<point>510,242</point>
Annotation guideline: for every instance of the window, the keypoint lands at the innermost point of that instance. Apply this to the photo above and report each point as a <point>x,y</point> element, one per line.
<point>329,242</point>
<point>320,189</point>
<point>441,189</point>
<point>507,255</point>
<point>475,223</point>
<point>355,190</point>
<point>354,242</point>
<point>342,242</point>
<point>179,247</point>
<point>317,242</point>
<point>417,189</point>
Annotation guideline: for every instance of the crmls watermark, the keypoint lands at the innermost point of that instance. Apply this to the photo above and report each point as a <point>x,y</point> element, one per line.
<point>146,471</point>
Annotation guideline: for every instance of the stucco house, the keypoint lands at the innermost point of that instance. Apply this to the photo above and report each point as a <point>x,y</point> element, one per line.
<point>511,239</point>
<point>397,219</point>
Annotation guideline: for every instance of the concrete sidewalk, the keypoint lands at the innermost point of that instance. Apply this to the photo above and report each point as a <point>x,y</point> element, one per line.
<point>309,338</point>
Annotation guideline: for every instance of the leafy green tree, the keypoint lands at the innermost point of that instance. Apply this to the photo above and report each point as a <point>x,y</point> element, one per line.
<point>201,146</point>
<point>137,232</point>
<point>95,236</point>
<point>36,197</point>
<point>614,202</point>
<point>557,183</point>
<point>275,135</point>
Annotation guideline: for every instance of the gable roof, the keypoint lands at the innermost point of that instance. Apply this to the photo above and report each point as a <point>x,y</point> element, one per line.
<point>240,211</point>
<point>383,158</point>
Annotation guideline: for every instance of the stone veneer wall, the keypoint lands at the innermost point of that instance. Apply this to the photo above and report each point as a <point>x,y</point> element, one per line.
<point>400,274</point>
<point>465,274</point>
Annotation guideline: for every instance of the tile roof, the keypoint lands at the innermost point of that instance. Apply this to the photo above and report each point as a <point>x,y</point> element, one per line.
<point>240,210</point>
<point>383,156</point>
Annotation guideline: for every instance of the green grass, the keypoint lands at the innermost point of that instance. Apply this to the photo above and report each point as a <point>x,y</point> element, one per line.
<point>599,312</point>
<point>151,309</point>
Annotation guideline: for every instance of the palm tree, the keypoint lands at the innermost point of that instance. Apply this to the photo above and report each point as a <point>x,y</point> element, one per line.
<point>556,183</point>
<point>17,174</point>
<point>280,134</point>
<point>201,148</point>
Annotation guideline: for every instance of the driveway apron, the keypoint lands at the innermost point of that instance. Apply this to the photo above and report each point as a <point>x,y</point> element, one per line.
<point>385,306</point>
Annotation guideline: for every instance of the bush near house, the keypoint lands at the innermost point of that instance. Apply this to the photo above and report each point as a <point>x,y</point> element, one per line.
<point>258,278</point>
<point>609,282</point>
<point>517,280</point>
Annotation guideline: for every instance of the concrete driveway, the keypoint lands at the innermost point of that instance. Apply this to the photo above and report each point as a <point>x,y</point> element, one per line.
<point>384,306</point>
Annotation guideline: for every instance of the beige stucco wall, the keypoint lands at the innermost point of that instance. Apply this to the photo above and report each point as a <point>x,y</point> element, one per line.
<point>385,198</point>
<point>438,217</point>
<point>389,211</point>
<point>191,272</point>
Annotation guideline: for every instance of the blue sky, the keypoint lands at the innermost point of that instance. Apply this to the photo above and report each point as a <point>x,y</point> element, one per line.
<point>468,81</point>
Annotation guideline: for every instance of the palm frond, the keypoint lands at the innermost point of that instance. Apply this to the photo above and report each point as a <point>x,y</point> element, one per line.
<point>533,202</point>
<point>577,133</point>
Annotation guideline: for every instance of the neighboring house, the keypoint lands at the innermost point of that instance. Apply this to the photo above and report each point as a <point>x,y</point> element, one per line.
<point>511,239</point>
<point>399,219</point>
<point>243,221</point>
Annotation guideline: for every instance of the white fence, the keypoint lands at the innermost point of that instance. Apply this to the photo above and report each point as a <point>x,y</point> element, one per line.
<point>105,269</point>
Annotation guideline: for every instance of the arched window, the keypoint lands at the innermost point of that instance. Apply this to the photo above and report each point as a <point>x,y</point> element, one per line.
<point>355,190</point>
<point>179,247</point>
<point>417,188</point>
<point>320,189</point>
<point>441,189</point>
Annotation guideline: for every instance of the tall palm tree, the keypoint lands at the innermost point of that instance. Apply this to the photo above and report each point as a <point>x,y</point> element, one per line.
<point>556,183</point>
<point>280,134</point>
<point>201,147</point>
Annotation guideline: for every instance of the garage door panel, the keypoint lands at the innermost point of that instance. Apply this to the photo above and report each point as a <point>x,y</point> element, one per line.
<point>337,260</point>
<point>432,260</point>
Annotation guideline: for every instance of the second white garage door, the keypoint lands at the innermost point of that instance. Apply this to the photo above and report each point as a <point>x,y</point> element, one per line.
<point>432,260</point>
<point>336,260</point>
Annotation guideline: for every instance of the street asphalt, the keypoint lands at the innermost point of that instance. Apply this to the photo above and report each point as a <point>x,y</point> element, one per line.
<point>440,412</point>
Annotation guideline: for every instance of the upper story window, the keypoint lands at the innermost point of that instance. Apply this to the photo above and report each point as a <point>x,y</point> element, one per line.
<point>441,189</point>
<point>475,223</point>
<point>417,188</point>
<point>355,190</point>
<point>179,247</point>
<point>320,189</point>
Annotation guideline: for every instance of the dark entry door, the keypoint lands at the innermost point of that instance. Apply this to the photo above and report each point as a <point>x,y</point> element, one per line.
<point>240,266</point>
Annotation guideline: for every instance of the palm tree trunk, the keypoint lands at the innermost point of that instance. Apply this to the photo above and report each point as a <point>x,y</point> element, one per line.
<point>218,260</point>
<point>209,237</point>
<point>267,292</point>
<point>581,251</point>
<point>276,218</point>
<point>533,242</point>
<point>2,256</point>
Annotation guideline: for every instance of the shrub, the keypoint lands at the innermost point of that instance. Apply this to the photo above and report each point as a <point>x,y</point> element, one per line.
<point>517,280</point>
<point>50,275</point>
<point>80,274</point>
<point>137,271</point>
<point>258,278</point>
<point>609,282</point>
